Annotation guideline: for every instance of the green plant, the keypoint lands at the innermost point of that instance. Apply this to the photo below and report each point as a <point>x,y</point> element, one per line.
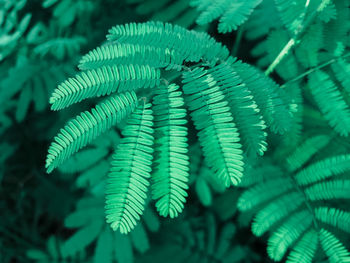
<point>306,44</point>
<point>166,119</point>
<point>298,205</point>
<point>224,96</point>
<point>231,14</point>
<point>194,239</point>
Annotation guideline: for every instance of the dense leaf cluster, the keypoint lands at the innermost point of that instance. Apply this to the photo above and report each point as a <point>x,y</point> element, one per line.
<point>196,131</point>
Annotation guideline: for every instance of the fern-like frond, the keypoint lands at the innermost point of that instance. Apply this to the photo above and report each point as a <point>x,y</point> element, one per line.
<point>276,211</point>
<point>305,151</point>
<point>330,101</point>
<point>335,189</point>
<point>268,96</point>
<point>231,14</point>
<point>333,248</point>
<point>336,29</point>
<point>292,13</point>
<point>103,81</point>
<point>128,179</point>
<point>190,45</point>
<point>334,217</point>
<point>287,234</point>
<point>246,112</point>
<point>87,126</point>
<point>296,206</point>
<point>229,101</point>
<point>218,134</point>
<point>341,71</point>
<point>305,249</point>
<point>236,14</point>
<point>169,180</point>
<point>112,54</point>
<point>323,169</point>
<point>210,10</point>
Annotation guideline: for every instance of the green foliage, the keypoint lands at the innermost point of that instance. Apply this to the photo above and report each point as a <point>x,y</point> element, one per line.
<point>231,14</point>
<point>53,253</point>
<point>170,177</point>
<point>88,126</point>
<point>210,95</point>
<point>130,170</point>
<point>195,240</point>
<point>177,12</point>
<point>310,219</point>
<point>88,219</point>
<point>319,45</point>
<point>165,119</point>
<point>12,26</point>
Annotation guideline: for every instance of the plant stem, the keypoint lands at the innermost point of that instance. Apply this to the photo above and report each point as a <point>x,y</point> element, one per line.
<point>284,52</point>
<point>295,39</point>
<point>325,64</point>
<point>237,42</point>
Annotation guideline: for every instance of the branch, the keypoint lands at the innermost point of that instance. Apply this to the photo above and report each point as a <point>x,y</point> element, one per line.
<point>295,39</point>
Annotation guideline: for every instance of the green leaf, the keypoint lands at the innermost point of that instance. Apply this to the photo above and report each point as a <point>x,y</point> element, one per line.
<point>334,249</point>
<point>127,182</point>
<point>170,175</point>
<point>104,248</point>
<point>81,239</point>
<point>140,239</point>
<point>87,126</point>
<point>123,249</point>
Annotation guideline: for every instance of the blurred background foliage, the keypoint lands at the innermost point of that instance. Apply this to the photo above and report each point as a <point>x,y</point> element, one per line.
<point>60,217</point>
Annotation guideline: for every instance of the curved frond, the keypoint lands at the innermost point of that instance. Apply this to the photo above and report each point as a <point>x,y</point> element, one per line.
<point>210,10</point>
<point>111,54</point>
<point>103,81</point>
<point>131,168</point>
<point>341,71</point>
<point>190,45</point>
<point>268,96</point>
<point>333,248</point>
<point>169,180</point>
<point>244,109</point>
<point>334,217</point>
<point>236,14</point>
<point>292,13</point>
<point>287,234</point>
<point>231,14</point>
<point>218,134</point>
<point>323,169</point>
<point>275,211</point>
<point>335,189</point>
<point>87,126</point>
<point>305,249</point>
<point>305,151</point>
<point>330,101</point>
<point>292,202</point>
